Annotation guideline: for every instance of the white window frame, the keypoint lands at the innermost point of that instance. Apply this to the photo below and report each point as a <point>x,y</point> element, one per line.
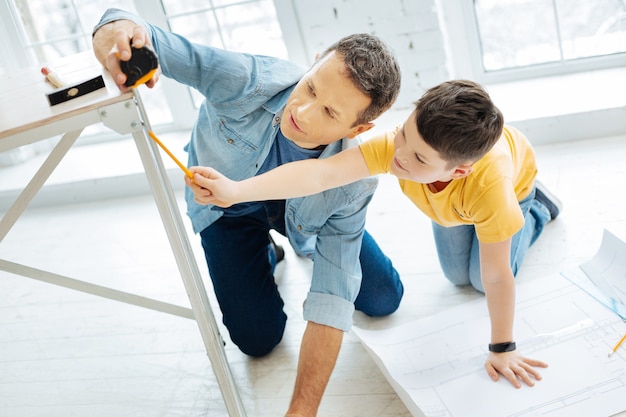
<point>12,58</point>
<point>465,53</point>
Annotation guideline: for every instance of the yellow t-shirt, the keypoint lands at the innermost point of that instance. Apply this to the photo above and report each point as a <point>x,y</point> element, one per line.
<point>487,198</point>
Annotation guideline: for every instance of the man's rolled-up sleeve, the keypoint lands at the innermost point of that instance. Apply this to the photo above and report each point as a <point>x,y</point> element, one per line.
<point>336,279</point>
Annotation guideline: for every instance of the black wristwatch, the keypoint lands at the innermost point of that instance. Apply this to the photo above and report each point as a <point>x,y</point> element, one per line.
<point>502,347</point>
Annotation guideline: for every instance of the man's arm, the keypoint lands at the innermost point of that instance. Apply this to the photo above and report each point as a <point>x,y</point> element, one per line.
<point>291,180</point>
<point>499,284</point>
<point>318,355</point>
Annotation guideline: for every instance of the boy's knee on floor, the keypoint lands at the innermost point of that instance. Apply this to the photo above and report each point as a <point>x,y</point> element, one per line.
<point>458,279</point>
<point>463,280</point>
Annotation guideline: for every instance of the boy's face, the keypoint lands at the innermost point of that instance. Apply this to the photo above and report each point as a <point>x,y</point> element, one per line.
<point>324,106</point>
<point>417,161</point>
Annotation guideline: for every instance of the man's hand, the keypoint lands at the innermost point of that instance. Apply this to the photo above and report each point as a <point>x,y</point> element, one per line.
<point>513,367</point>
<point>211,187</point>
<point>111,43</point>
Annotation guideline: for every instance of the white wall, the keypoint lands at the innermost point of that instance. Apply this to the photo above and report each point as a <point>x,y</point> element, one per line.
<point>410,27</point>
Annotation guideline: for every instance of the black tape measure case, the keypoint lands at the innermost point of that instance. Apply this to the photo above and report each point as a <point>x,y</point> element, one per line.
<point>140,67</point>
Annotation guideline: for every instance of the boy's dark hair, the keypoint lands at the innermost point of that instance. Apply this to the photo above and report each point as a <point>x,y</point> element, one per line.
<point>458,119</point>
<point>373,69</point>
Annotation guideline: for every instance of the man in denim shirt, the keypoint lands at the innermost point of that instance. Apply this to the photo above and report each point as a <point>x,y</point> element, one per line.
<point>260,112</point>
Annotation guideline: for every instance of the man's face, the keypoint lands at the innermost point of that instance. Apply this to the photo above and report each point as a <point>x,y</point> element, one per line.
<point>324,106</point>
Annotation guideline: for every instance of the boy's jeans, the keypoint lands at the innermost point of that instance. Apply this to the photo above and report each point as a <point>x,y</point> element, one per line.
<point>236,250</point>
<point>458,250</point>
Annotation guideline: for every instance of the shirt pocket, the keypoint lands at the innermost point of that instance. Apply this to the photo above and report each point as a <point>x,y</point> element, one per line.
<point>232,139</point>
<point>305,215</point>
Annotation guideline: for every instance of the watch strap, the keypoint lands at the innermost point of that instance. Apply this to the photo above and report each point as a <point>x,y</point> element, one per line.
<point>502,347</point>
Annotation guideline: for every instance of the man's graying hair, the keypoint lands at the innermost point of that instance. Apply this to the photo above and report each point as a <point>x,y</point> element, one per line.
<point>373,69</point>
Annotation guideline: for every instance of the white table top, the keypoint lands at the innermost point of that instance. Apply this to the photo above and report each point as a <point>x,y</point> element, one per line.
<point>24,104</point>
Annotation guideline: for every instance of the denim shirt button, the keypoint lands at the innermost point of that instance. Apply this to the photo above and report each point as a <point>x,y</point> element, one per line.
<point>230,141</point>
<point>276,120</point>
<point>299,227</point>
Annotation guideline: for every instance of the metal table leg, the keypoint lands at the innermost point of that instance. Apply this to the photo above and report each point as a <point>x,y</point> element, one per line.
<point>172,221</point>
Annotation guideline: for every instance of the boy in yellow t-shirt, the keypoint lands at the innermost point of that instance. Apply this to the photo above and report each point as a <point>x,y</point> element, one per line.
<point>472,175</point>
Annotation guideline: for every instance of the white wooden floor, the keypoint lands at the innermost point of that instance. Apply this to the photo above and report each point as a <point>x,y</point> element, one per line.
<point>64,353</point>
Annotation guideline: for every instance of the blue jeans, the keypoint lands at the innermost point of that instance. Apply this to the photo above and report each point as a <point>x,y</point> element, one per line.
<point>458,249</point>
<point>236,251</point>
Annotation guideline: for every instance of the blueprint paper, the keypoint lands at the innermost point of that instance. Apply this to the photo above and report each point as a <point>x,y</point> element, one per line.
<point>436,364</point>
<point>580,278</point>
<point>607,270</point>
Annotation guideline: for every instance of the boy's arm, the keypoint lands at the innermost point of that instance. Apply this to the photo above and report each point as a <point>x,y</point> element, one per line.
<point>499,284</point>
<point>291,180</point>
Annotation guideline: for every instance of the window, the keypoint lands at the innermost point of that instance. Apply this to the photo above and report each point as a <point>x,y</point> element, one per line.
<point>510,39</point>
<point>53,29</point>
<point>243,26</point>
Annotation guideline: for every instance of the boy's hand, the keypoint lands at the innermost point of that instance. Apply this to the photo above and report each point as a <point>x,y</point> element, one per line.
<point>211,187</point>
<point>513,367</point>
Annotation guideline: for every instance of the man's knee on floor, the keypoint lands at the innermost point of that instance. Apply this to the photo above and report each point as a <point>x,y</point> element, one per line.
<point>257,336</point>
<point>257,344</point>
<point>258,348</point>
<point>386,302</point>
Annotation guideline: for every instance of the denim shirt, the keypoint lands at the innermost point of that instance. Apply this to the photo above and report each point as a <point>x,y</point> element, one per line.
<point>236,126</point>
